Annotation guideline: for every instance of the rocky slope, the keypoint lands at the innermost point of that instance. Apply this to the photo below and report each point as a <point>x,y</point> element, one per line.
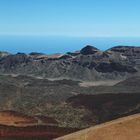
<point>66,101</point>
<point>107,107</point>
<point>88,64</point>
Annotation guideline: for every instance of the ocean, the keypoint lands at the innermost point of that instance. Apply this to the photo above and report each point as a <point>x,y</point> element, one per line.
<point>50,44</point>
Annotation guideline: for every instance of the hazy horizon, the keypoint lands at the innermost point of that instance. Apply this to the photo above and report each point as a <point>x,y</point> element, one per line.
<point>53,26</point>
<point>51,45</point>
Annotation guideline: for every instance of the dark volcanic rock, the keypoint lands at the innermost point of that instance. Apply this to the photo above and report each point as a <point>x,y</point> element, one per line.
<point>110,67</point>
<point>130,52</point>
<point>90,64</point>
<point>125,49</point>
<point>14,60</point>
<point>88,50</point>
<point>36,53</point>
<point>108,106</point>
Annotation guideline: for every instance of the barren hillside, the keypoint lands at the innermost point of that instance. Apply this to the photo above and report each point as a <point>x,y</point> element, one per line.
<point>127,128</point>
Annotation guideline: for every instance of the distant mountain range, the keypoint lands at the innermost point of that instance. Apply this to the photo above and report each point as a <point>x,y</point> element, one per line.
<point>77,89</point>
<point>88,64</point>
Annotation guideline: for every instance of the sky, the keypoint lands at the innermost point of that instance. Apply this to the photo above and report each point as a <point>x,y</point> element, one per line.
<point>84,18</point>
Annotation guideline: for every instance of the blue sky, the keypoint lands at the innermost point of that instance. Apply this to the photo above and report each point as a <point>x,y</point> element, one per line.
<point>70,17</point>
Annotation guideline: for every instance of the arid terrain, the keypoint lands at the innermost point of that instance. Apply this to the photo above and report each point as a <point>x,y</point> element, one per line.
<point>47,96</point>
<point>15,125</point>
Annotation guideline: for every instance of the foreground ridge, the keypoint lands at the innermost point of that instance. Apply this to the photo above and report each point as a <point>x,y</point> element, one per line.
<point>120,129</point>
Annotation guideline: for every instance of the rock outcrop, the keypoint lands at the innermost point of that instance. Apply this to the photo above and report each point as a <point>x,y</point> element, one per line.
<point>88,50</point>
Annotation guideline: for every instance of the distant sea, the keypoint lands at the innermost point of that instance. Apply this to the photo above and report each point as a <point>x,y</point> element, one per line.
<point>61,44</point>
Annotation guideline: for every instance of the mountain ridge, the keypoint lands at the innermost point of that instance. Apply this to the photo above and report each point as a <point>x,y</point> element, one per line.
<point>88,64</point>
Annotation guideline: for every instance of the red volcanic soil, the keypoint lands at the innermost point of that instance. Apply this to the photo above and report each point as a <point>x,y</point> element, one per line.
<point>15,118</point>
<point>34,131</point>
<point>14,124</point>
